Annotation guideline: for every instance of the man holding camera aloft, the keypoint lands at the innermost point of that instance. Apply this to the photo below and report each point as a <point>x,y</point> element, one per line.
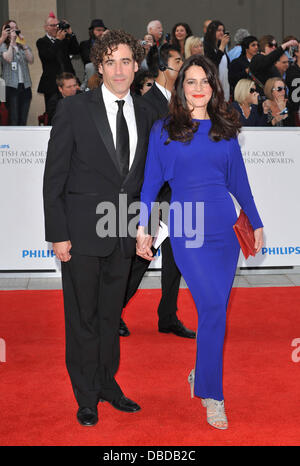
<point>55,49</point>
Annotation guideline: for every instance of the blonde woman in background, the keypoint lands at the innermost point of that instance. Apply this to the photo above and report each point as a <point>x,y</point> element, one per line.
<point>193,46</point>
<point>275,106</point>
<point>246,103</point>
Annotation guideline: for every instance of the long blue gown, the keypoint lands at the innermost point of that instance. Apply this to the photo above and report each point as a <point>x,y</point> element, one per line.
<point>205,172</point>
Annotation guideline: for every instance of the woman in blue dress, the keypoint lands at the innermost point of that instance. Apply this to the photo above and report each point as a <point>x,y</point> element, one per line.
<point>196,150</point>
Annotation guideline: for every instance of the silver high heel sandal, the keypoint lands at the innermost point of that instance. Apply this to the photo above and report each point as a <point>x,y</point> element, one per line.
<point>215,412</point>
<point>191,381</point>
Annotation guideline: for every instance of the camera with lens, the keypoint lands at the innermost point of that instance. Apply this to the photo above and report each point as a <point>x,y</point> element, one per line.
<point>292,51</point>
<point>63,26</point>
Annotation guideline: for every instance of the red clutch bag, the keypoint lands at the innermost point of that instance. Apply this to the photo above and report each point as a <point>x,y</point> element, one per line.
<point>245,234</point>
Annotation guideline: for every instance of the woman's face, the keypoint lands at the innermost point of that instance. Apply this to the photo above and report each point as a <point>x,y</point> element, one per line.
<point>196,87</point>
<point>148,83</point>
<point>180,33</point>
<point>220,32</point>
<point>278,90</point>
<point>197,49</point>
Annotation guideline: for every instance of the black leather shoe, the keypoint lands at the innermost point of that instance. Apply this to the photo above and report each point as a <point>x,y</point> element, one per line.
<point>87,416</point>
<point>124,404</point>
<point>123,329</point>
<point>178,329</point>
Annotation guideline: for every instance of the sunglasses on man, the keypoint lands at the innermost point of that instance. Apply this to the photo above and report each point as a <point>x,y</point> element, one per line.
<point>272,44</point>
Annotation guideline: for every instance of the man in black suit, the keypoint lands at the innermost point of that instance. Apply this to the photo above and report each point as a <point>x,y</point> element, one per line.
<point>95,165</point>
<point>96,29</point>
<point>239,67</point>
<point>164,63</point>
<point>54,50</point>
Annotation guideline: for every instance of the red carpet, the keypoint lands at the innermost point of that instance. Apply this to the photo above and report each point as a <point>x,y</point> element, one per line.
<point>261,381</point>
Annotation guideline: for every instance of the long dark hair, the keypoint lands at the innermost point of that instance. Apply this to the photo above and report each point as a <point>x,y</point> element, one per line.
<point>225,121</point>
<point>210,39</point>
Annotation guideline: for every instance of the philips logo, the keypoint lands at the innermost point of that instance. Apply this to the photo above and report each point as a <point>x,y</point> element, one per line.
<point>282,251</point>
<point>34,253</point>
<point>4,146</point>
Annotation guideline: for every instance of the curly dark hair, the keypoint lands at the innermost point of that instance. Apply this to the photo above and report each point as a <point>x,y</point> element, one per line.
<point>225,122</point>
<point>109,42</point>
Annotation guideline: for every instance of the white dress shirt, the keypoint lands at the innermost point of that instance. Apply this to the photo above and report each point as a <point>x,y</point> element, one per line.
<point>164,91</point>
<point>110,102</point>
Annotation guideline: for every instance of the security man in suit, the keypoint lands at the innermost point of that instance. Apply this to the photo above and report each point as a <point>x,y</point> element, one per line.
<point>95,161</point>
<point>164,63</point>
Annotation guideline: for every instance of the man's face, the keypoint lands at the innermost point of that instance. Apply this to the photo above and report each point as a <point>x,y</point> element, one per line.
<point>156,30</point>
<point>51,26</point>
<point>253,48</point>
<point>282,64</point>
<point>98,31</point>
<point>175,62</point>
<point>118,70</point>
<point>68,88</point>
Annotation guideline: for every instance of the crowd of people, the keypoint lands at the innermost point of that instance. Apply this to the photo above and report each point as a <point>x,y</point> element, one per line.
<point>259,77</point>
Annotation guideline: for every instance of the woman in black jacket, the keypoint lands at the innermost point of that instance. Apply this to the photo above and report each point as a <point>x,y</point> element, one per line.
<point>215,42</point>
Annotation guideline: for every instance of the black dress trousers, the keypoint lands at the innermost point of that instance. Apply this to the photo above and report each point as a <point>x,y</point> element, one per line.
<point>94,290</point>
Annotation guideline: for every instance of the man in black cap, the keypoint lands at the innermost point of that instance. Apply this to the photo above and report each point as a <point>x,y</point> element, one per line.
<point>96,30</point>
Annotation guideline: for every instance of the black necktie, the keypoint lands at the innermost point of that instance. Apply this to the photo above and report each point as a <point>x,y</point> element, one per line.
<point>122,140</point>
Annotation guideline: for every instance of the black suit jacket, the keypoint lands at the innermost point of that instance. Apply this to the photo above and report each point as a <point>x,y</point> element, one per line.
<point>85,50</point>
<point>82,171</point>
<point>237,71</point>
<point>55,60</point>
<point>156,98</point>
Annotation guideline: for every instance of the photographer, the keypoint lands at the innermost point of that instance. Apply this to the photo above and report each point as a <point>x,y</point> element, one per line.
<point>55,49</point>
<point>15,56</point>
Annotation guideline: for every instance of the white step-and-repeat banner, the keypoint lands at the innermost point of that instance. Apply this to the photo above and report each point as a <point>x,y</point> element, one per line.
<point>273,164</point>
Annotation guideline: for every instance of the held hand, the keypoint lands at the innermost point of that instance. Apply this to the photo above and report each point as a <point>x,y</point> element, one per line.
<point>259,240</point>
<point>224,41</point>
<point>143,244</point>
<point>62,250</point>
<point>4,34</point>
<point>61,34</point>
